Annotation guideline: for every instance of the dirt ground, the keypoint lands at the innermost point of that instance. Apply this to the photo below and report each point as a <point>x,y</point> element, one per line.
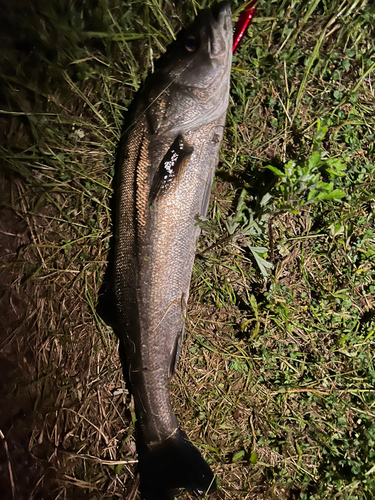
<point>19,471</point>
<point>63,398</point>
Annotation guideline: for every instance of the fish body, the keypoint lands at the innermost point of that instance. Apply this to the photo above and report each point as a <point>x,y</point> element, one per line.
<point>164,170</point>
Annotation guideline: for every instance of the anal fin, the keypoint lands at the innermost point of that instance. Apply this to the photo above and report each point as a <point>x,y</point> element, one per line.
<point>176,352</point>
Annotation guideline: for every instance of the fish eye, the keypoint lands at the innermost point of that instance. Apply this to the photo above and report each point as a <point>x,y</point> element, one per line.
<point>191,43</point>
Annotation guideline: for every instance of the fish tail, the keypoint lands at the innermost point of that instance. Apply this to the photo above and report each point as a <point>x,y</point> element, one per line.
<point>174,463</point>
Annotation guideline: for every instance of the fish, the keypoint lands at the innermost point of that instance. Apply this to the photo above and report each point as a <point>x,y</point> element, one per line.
<point>164,169</point>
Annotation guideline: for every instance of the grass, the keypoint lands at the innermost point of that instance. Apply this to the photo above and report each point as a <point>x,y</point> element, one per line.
<point>276,381</point>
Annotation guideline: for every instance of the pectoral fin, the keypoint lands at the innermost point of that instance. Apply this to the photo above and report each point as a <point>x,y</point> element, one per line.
<point>206,197</point>
<point>173,162</point>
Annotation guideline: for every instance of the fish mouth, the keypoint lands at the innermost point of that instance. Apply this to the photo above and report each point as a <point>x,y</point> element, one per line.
<point>222,15</point>
<point>220,28</point>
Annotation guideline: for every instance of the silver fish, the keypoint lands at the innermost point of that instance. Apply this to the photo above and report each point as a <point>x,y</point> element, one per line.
<point>164,171</point>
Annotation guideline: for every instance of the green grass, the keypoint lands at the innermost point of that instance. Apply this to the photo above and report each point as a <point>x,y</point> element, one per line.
<point>276,382</point>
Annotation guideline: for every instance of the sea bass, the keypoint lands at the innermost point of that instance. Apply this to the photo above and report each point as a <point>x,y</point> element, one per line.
<point>164,171</point>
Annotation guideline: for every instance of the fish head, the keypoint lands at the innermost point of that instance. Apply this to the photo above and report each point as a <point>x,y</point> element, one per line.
<point>190,86</point>
<point>200,53</point>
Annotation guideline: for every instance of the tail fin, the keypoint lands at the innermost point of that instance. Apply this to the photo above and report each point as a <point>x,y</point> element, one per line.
<point>174,463</point>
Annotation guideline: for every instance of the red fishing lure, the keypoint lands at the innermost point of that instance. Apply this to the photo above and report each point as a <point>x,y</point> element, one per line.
<point>244,22</point>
